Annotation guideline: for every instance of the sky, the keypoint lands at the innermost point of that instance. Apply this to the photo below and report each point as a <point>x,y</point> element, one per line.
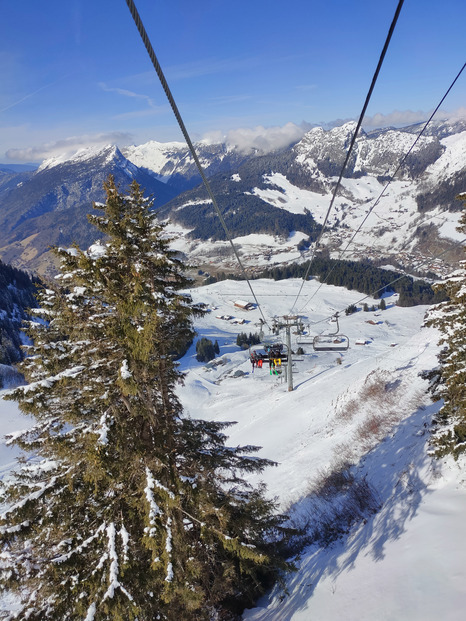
<point>76,73</point>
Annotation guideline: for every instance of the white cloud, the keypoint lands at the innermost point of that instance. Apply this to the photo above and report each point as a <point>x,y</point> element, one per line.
<point>457,115</point>
<point>397,118</point>
<point>66,146</point>
<point>265,139</point>
<point>400,118</point>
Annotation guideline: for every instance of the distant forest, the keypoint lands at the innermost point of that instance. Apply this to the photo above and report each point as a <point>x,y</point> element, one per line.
<point>359,276</point>
<point>17,291</point>
<point>244,215</point>
<point>244,212</point>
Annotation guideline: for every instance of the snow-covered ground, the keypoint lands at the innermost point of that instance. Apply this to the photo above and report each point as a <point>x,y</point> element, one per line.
<point>364,410</point>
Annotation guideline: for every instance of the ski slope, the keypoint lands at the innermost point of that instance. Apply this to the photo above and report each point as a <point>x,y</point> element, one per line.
<point>364,412</point>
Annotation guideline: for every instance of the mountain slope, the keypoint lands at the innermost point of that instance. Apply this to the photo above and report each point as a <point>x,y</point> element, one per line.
<point>273,204</point>
<point>414,218</point>
<point>400,560</point>
<point>369,414</point>
<point>17,292</point>
<point>173,163</point>
<point>49,207</point>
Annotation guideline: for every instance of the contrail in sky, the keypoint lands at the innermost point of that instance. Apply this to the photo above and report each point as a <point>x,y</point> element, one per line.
<point>32,94</point>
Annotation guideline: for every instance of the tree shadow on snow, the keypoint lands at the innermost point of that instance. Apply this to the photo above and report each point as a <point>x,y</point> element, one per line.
<point>392,480</point>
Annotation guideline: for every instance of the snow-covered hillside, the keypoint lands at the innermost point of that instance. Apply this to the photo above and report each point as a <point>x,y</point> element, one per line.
<point>362,414</point>
<point>282,197</point>
<point>405,562</point>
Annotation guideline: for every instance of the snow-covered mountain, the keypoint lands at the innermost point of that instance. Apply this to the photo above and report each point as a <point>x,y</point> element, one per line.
<point>273,204</point>
<point>405,221</point>
<point>385,520</point>
<point>49,207</point>
<point>173,163</point>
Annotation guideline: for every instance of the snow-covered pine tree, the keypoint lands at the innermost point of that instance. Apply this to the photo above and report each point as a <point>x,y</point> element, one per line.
<point>448,381</point>
<point>127,508</point>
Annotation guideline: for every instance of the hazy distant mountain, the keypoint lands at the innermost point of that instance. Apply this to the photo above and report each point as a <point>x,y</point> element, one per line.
<point>274,203</point>
<point>49,207</point>
<point>14,168</point>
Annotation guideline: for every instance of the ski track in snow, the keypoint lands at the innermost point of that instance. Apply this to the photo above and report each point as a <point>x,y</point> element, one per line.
<point>406,562</point>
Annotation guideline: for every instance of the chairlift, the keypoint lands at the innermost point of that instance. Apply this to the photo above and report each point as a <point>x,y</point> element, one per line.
<point>305,339</point>
<point>335,341</point>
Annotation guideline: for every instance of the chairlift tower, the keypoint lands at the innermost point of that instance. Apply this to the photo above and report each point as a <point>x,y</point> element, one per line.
<point>289,321</point>
<point>260,325</point>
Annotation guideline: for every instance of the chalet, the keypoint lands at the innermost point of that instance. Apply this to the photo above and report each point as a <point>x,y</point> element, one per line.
<point>244,305</point>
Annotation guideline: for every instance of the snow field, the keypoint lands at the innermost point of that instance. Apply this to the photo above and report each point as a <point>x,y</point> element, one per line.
<point>404,562</point>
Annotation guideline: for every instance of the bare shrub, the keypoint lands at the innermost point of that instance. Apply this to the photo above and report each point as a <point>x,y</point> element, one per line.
<point>344,453</point>
<point>333,482</point>
<point>375,427</point>
<point>336,501</point>
<point>378,387</point>
<point>370,429</point>
<point>391,417</point>
<point>347,411</point>
<point>379,390</point>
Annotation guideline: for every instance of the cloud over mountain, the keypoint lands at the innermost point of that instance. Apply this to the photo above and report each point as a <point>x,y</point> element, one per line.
<point>266,139</point>
<point>67,146</point>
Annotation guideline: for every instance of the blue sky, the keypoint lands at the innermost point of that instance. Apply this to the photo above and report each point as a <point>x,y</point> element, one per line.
<point>76,73</point>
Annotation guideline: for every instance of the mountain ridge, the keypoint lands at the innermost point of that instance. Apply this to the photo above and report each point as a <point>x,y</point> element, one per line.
<point>282,195</point>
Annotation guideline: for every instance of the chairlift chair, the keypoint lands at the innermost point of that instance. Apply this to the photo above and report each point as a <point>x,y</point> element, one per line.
<point>304,339</point>
<point>335,341</point>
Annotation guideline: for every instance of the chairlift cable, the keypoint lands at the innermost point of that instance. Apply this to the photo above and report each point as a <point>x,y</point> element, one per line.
<point>373,293</point>
<point>406,275</point>
<point>402,161</point>
<point>150,50</point>
<point>353,140</point>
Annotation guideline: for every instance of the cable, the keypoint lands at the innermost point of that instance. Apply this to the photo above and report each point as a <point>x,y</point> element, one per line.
<point>163,81</point>
<point>461,243</point>
<point>402,161</point>
<point>373,293</point>
<point>353,140</point>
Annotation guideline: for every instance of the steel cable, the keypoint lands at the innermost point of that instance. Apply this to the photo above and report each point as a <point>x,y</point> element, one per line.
<point>150,50</point>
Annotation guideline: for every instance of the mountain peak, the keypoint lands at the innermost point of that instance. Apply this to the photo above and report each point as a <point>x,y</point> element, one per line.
<point>108,153</point>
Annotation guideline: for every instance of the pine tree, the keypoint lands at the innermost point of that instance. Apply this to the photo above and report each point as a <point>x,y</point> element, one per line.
<point>205,350</point>
<point>448,381</point>
<point>129,509</point>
